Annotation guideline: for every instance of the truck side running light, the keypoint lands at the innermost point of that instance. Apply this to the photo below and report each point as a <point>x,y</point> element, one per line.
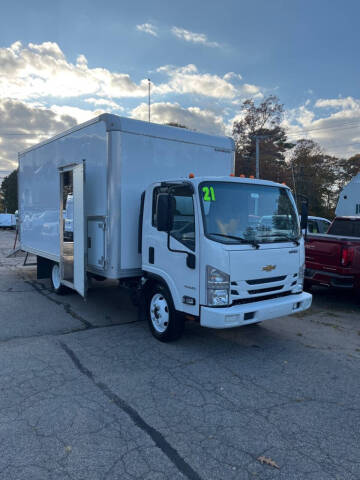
<point>347,256</point>
<point>188,300</point>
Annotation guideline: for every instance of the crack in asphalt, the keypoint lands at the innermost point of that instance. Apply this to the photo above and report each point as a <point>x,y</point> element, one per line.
<point>66,306</point>
<point>168,450</point>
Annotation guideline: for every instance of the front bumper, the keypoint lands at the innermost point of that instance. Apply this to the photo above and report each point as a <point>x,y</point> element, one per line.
<point>254,312</point>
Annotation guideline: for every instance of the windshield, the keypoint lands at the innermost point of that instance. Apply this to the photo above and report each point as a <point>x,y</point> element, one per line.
<point>245,213</point>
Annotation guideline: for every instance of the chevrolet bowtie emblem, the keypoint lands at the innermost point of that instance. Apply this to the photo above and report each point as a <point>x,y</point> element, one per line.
<point>268,268</point>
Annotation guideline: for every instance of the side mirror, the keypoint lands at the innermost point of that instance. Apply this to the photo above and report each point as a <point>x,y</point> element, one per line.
<point>304,215</point>
<point>164,212</point>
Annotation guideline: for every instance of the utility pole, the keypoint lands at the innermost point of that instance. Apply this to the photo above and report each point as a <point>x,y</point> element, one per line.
<point>257,144</point>
<point>149,83</point>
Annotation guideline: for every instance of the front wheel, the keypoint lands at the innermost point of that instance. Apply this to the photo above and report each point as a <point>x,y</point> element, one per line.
<point>56,280</point>
<point>165,323</point>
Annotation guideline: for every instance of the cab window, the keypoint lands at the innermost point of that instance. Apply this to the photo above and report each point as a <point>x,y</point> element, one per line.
<point>184,219</point>
<point>323,226</point>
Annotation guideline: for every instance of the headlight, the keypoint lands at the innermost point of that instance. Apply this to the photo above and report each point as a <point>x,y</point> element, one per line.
<point>300,280</point>
<point>217,287</point>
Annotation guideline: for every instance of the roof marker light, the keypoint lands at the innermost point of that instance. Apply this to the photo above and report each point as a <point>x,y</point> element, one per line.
<point>251,176</point>
<point>232,175</point>
<point>191,175</point>
<point>242,176</point>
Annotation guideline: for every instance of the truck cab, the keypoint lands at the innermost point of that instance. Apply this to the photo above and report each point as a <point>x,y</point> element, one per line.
<point>225,251</point>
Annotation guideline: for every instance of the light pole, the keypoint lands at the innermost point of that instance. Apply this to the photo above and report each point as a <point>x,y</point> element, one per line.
<point>257,145</point>
<point>149,83</point>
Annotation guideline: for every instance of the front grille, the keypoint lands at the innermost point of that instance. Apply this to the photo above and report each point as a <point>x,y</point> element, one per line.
<point>266,280</point>
<point>259,299</point>
<point>265,290</point>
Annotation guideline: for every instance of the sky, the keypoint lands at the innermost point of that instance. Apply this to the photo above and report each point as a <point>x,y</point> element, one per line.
<point>66,62</point>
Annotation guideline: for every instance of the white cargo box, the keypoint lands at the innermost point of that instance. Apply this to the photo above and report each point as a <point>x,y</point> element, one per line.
<point>349,199</point>
<point>121,158</point>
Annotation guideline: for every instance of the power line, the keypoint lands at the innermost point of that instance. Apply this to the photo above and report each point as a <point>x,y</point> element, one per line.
<point>322,129</point>
<point>333,146</point>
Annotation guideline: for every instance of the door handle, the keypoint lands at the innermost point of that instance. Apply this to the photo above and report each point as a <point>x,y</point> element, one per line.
<point>151,255</point>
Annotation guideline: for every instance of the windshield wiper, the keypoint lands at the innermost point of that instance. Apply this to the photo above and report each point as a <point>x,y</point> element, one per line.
<point>240,239</point>
<point>287,237</point>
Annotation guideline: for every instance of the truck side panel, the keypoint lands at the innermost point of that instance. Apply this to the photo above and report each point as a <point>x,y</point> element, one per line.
<point>39,186</point>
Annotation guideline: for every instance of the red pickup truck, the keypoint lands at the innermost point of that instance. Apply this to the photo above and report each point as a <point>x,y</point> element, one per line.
<point>333,259</point>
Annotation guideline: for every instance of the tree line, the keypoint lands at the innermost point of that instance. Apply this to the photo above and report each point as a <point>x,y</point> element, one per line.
<point>302,165</point>
<point>9,193</point>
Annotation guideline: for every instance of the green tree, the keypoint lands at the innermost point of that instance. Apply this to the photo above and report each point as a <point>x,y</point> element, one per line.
<point>263,119</point>
<point>9,192</point>
<point>347,169</point>
<point>312,174</point>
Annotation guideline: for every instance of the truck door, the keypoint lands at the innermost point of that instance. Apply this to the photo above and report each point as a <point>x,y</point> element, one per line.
<point>174,264</point>
<point>72,250</point>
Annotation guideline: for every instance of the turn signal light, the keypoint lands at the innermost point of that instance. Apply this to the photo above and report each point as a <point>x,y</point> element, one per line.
<point>347,256</point>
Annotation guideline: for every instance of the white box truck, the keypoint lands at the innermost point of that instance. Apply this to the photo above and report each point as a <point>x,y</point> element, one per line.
<point>349,199</point>
<point>158,208</point>
<point>7,220</point>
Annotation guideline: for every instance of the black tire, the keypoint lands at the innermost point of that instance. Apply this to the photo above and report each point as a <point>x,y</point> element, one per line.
<point>165,323</point>
<point>56,286</point>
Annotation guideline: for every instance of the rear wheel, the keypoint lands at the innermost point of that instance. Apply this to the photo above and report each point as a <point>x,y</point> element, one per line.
<point>57,287</point>
<point>165,323</point>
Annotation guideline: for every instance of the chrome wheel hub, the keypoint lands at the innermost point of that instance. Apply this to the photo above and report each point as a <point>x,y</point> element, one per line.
<point>159,313</point>
<point>55,276</point>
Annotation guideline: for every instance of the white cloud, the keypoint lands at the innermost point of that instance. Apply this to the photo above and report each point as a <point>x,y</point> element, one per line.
<point>338,132</point>
<point>104,102</point>
<point>348,103</point>
<point>147,28</point>
<point>187,79</point>
<point>251,90</point>
<point>193,118</point>
<point>35,71</point>
<point>199,38</point>
<point>78,114</point>
<point>30,124</point>
<point>231,75</point>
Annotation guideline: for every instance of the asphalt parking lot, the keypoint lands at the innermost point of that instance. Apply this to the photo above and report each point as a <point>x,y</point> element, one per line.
<point>87,393</point>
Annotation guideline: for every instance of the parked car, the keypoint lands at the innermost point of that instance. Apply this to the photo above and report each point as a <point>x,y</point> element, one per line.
<point>318,225</point>
<point>334,259</point>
